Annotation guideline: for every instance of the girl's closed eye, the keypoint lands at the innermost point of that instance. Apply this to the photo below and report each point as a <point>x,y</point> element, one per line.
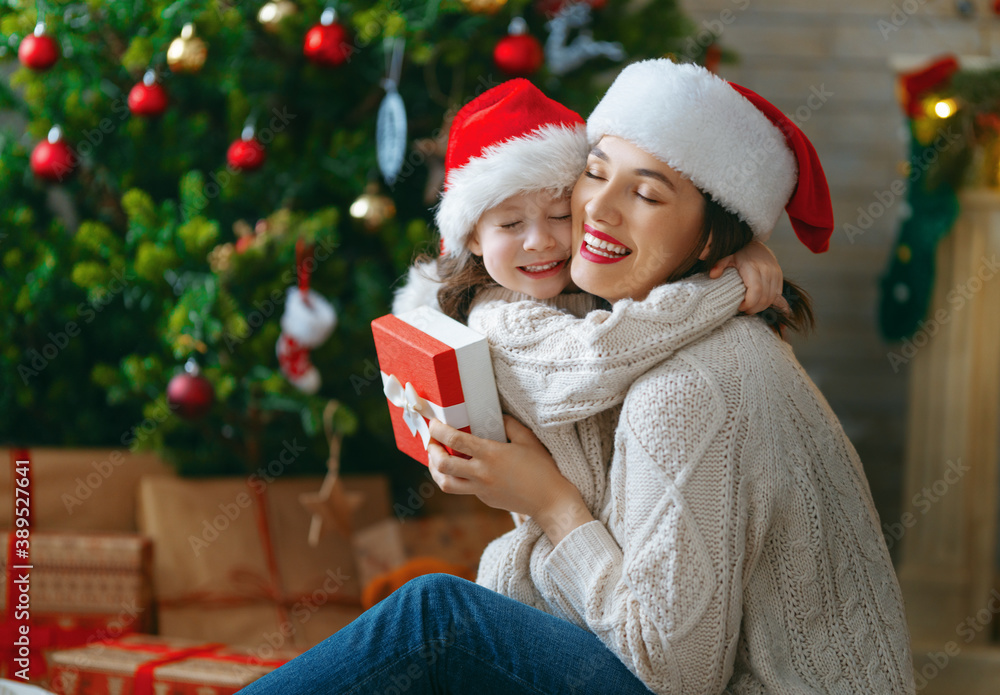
<point>510,225</point>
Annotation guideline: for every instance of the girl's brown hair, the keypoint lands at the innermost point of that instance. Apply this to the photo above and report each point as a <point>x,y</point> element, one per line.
<point>462,276</point>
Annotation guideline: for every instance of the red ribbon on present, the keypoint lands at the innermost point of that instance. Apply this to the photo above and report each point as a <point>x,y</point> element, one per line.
<point>168,655</point>
<point>145,673</point>
<point>257,588</point>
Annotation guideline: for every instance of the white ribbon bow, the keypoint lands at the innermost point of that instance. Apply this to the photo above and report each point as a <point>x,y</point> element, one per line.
<point>413,407</point>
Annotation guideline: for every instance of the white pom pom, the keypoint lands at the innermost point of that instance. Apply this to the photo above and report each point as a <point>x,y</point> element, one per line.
<point>308,323</point>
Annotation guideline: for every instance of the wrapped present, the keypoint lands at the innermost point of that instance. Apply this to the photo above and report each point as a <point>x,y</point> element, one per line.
<point>63,589</point>
<point>82,587</point>
<point>78,490</point>
<point>455,538</point>
<point>146,665</point>
<point>434,366</point>
<point>233,562</point>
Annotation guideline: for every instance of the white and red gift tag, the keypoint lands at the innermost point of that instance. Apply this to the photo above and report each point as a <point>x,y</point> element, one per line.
<point>434,366</point>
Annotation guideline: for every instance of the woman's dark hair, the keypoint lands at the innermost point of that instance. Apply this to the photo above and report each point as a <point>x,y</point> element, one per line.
<point>729,234</point>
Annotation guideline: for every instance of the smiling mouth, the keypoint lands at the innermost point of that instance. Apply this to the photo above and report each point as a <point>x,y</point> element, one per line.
<point>543,269</point>
<point>602,247</point>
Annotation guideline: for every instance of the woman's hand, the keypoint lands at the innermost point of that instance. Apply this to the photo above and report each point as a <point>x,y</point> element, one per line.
<point>520,476</point>
<point>762,275</point>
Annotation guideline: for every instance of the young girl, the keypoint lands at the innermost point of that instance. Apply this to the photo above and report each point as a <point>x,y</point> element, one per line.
<point>736,548</point>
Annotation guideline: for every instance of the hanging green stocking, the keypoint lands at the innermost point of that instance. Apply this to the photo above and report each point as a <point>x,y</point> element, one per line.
<point>908,282</point>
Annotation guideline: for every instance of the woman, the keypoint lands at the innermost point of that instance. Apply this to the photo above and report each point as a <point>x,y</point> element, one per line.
<point>737,549</point>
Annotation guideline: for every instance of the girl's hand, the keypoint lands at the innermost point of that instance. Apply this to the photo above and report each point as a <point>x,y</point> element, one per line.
<point>762,275</point>
<point>520,477</point>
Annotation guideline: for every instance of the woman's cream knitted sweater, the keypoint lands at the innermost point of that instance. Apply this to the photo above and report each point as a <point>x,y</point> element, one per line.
<point>736,548</point>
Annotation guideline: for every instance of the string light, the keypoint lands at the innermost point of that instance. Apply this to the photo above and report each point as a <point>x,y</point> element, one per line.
<point>945,108</point>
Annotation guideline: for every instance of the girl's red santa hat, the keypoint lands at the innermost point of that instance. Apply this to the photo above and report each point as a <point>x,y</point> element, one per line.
<point>510,139</point>
<point>729,141</point>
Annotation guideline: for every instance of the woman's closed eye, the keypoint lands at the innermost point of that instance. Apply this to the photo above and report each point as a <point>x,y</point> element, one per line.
<point>652,201</point>
<point>590,174</point>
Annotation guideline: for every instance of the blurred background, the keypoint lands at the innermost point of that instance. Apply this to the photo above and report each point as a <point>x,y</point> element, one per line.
<point>169,169</point>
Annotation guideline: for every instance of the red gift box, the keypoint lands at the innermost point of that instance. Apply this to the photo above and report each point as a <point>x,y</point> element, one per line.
<point>434,366</point>
<point>146,665</point>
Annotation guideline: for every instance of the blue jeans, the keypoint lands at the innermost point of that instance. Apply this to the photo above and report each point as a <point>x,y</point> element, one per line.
<point>443,634</point>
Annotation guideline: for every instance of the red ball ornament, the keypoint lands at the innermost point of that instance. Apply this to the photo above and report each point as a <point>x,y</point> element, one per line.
<point>996,6</point>
<point>52,159</point>
<point>246,154</point>
<point>147,98</point>
<point>38,51</point>
<point>518,53</point>
<point>327,43</point>
<point>190,394</point>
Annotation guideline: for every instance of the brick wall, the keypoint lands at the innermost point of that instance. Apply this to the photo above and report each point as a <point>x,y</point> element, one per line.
<point>788,51</point>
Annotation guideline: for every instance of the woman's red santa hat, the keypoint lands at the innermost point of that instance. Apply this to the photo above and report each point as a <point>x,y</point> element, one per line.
<point>509,140</point>
<point>729,141</point>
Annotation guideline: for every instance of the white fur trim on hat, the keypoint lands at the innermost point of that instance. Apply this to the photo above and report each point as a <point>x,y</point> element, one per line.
<point>421,289</point>
<point>550,158</point>
<point>309,325</point>
<point>699,125</point>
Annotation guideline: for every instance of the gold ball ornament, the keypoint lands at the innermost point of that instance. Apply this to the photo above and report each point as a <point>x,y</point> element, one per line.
<point>274,13</point>
<point>484,6</point>
<point>373,207</point>
<point>187,53</point>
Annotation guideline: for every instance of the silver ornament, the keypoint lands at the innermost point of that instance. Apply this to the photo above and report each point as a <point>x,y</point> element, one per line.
<point>390,127</point>
<point>562,57</point>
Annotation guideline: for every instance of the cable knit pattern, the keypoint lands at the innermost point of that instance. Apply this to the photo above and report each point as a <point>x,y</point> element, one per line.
<point>664,322</point>
<point>737,548</point>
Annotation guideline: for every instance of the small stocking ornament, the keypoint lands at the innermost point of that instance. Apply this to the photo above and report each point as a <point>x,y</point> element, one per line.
<point>306,324</point>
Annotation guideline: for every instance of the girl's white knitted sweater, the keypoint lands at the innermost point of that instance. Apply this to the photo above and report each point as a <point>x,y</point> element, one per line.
<point>737,549</point>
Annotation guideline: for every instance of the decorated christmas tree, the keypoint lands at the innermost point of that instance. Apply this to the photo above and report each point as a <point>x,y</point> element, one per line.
<point>168,170</point>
